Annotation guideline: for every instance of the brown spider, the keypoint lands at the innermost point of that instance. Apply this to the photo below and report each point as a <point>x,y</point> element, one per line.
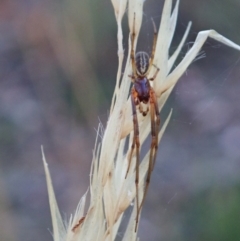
<point>142,92</point>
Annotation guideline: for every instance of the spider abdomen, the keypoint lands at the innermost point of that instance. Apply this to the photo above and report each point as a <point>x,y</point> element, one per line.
<point>142,87</point>
<point>142,62</point>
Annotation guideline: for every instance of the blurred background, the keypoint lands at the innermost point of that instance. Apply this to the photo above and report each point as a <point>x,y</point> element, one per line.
<point>57,75</point>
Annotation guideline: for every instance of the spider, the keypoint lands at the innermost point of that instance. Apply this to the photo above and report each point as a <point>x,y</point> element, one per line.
<point>142,92</point>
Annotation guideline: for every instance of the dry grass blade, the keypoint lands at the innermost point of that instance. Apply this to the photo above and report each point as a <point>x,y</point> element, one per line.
<point>59,230</point>
<point>110,192</point>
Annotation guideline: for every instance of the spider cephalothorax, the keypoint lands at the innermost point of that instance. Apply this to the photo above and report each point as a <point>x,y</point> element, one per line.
<point>142,92</point>
<point>142,88</point>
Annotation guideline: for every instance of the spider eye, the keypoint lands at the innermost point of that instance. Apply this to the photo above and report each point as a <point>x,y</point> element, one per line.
<point>142,62</point>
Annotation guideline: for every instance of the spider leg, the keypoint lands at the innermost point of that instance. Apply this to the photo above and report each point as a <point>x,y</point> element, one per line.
<point>154,41</point>
<point>155,75</point>
<point>134,101</point>
<point>132,54</point>
<point>155,124</point>
<point>153,46</point>
<point>132,78</point>
<point>137,144</point>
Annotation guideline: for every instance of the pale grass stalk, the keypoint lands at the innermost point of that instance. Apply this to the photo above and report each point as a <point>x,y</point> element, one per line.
<point>110,193</point>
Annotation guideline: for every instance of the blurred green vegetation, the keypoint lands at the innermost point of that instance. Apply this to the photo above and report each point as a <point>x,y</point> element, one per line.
<point>213,215</point>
